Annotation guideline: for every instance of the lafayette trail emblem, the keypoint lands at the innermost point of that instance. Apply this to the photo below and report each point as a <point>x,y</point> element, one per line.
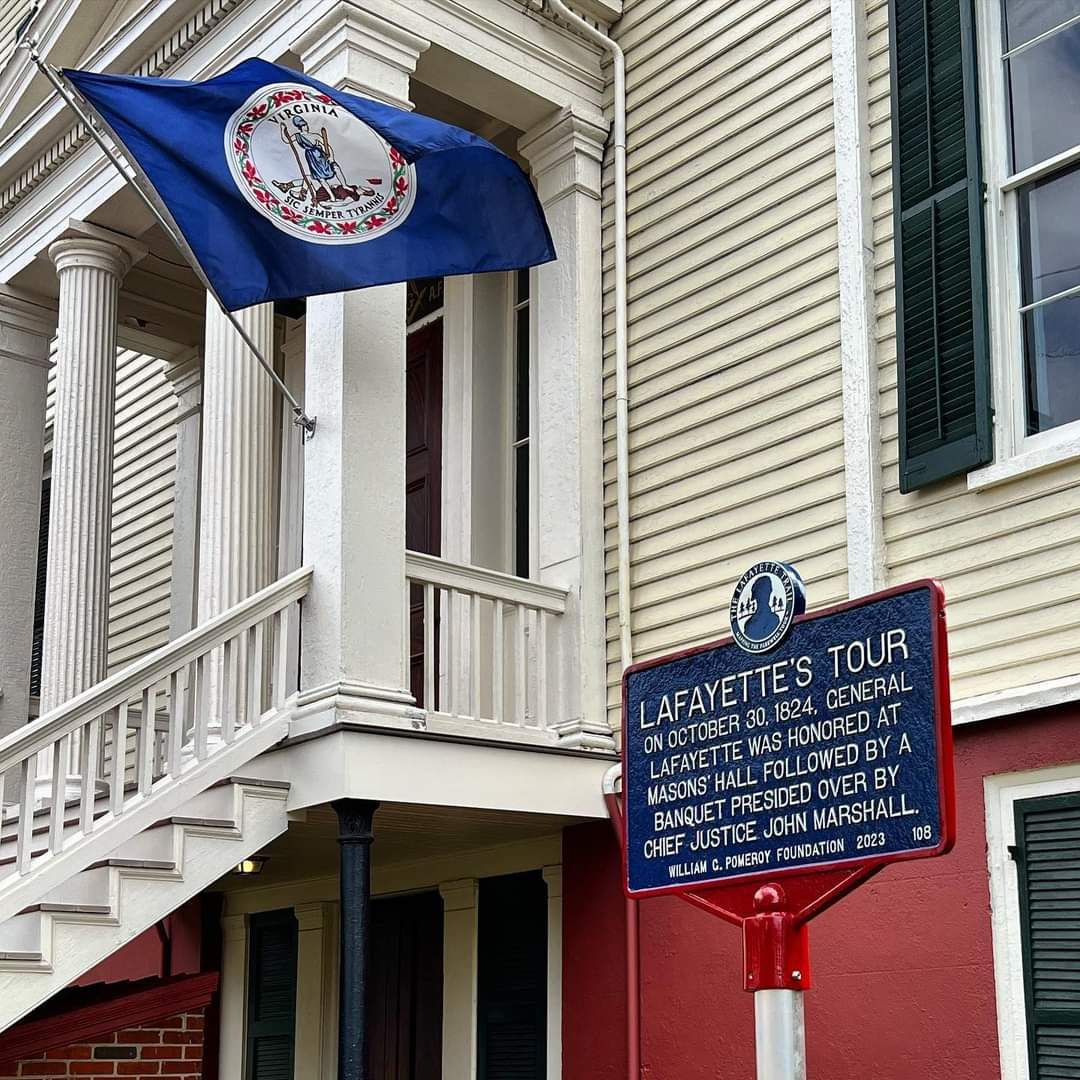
<point>765,603</point>
<point>314,169</point>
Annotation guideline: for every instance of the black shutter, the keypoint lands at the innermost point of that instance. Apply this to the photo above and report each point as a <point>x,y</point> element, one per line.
<point>512,978</point>
<point>271,1006</point>
<point>943,356</point>
<point>39,591</point>
<point>1048,871</point>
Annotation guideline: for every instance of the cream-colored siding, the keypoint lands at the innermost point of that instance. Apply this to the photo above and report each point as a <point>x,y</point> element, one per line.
<point>144,472</point>
<point>736,438</point>
<point>12,12</point>
<point>1009,556</point>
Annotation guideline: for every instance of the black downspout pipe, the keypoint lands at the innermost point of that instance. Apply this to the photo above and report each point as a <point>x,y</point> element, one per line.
<point>355,817</point>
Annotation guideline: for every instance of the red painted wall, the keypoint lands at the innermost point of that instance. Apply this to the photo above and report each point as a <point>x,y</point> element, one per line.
<point>902,969</point>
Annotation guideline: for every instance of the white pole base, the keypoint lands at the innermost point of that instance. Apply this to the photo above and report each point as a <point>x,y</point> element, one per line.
<point>780,1035</point>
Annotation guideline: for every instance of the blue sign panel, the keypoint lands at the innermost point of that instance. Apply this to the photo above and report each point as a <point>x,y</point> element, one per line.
<point>826,750</point>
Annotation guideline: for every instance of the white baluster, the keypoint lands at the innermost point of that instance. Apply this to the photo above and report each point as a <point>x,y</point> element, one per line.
<point>176,725</point>
<point>119,762</point>
<point>89,750</point>
<point>281,665</point>
<point>541,668</point>
<point>24,845</point>
<point>56,811</point>
<point>255,674</point>
<point>474,655</point>
<point>498,646</point>
<point>429,647</point>
<point>200,710</point>
<point>521,701</point>
<point>231,696</point>
<point>449,624</point>
<point>144,766</point>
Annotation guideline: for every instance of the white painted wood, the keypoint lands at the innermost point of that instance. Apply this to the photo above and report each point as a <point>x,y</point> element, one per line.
<point>90,264</point>
<point>25,330</point>
<point>236,532</point>
<point>460,935</point>
<point>234,980</point>
<point>1000,793</point>
<point>477,580</point>
<point>565,152</point>
<point>553,878</point>
<point>316,1004</point>
<point>118,902</point>
<point>855,252</point>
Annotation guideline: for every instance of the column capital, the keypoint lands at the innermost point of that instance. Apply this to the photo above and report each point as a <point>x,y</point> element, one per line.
<point>83,244</point>
<point>460,895</point>
<point>553,878</point>
<point>565,152</point>
<point>185,373</point>
<point>356,818</point>
<point>355,50</point>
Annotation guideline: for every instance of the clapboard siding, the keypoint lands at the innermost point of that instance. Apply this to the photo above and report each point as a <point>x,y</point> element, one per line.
<point>12,13</point>
<point>1009,556</point>
<point>736,429</point>
<point>144,474</point>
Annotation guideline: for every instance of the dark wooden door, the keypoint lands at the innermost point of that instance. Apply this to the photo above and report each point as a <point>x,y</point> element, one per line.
<point>423,474</point>
<point>405,1003</point>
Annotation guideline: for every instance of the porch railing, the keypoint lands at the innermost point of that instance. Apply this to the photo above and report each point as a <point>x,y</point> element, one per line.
<point>487,650</point>
<point>130,750</point>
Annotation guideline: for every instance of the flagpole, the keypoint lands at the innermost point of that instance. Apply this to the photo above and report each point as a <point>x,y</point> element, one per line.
<point>300,418</point>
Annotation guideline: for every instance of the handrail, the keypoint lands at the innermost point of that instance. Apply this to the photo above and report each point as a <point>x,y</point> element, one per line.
<point>490,584</point>
<point>117,688</point>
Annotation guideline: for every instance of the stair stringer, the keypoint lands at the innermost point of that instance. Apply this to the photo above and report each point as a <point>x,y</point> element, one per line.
<point>133,898</point>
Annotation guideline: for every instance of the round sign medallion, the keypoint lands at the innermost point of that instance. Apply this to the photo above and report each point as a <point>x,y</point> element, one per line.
<point>764,605</point>
<point>314,169</point>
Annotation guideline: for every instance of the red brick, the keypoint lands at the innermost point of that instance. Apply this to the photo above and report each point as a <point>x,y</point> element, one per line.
<point>172,1068</point>
<point>195,1022</point>
<point>137,1068</point>
<point>43,1068</point>
<point>160,1053</point>
<point>139,1035</point>
<point>193,1052</point>
<point>70,1053</point>
<point>92,1068</point>
<point>172,1022</point>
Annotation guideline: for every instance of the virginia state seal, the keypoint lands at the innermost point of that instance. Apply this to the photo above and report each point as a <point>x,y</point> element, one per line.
<point>314,170</point>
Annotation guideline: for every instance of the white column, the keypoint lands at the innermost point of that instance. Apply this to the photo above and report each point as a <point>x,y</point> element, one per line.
<point>236,500</point>
<point>185,374</point>
<point>90,263</point>
<point>354,629</point>
<point>460,933</point>
<point>234,978</point>
<point>858,343</point>
<point>565,153</point>
<point>25,330</point>
<point>316,990</point>
<point>553,878</point>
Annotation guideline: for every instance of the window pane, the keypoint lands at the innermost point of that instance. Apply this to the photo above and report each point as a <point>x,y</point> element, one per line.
<point>1026,19</point>
<point>1052,334</point>
<point>521,430</point>
<point>1045,85</point>
<point>521,510</point>
<point>1050,236</point>
<point>522,286</point>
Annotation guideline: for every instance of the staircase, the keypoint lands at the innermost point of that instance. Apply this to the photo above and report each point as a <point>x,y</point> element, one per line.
<point>141,806</point>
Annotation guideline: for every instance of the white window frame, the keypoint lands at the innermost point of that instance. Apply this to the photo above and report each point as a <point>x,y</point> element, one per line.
<point>1001,793</point>
<point>511,442</point>
<point>1015,452</point>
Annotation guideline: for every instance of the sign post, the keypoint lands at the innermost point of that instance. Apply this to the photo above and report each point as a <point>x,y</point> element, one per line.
<point>767,775</point>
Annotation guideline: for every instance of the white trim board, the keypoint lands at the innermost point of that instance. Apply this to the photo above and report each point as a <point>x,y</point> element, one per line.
<point>1001,792</point>
<point>1042,695</point>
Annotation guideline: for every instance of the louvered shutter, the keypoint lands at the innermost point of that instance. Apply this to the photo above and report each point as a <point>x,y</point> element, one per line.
<point>1048,871</point>
<point>943,361</point>
<point>512,978</point>
<point>271,1012</point>
<point>38,638</point>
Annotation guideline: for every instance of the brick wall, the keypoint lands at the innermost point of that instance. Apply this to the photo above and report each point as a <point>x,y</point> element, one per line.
<point>171,1047</point>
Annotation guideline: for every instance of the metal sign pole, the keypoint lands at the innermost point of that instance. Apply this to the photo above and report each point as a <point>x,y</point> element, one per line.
<point>780,1035</point>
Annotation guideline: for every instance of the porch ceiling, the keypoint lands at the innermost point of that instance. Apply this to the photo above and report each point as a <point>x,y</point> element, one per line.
<point>404,833</point>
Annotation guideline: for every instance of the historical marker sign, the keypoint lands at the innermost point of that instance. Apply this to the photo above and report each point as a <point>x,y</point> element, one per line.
<point>832,747</point>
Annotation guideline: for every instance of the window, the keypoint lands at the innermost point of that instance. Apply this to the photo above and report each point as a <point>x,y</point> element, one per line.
<point>1030,76</point>
<point>522,337</point>
<point>511,1010</point>
<point>271,1004</point>
<point>1047,857</point>
<point>38,639</point>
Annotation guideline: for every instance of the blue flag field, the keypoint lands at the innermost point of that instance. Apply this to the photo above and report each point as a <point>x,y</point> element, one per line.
<point>283,188</point>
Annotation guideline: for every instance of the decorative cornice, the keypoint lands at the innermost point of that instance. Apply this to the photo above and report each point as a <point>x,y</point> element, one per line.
<point>565,153</point>
<point>167,54</point>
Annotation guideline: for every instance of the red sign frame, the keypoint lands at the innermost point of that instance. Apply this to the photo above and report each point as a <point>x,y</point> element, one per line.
<point>807,891</point>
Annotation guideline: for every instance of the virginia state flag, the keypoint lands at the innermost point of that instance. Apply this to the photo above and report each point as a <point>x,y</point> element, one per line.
<point>282,187</point>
